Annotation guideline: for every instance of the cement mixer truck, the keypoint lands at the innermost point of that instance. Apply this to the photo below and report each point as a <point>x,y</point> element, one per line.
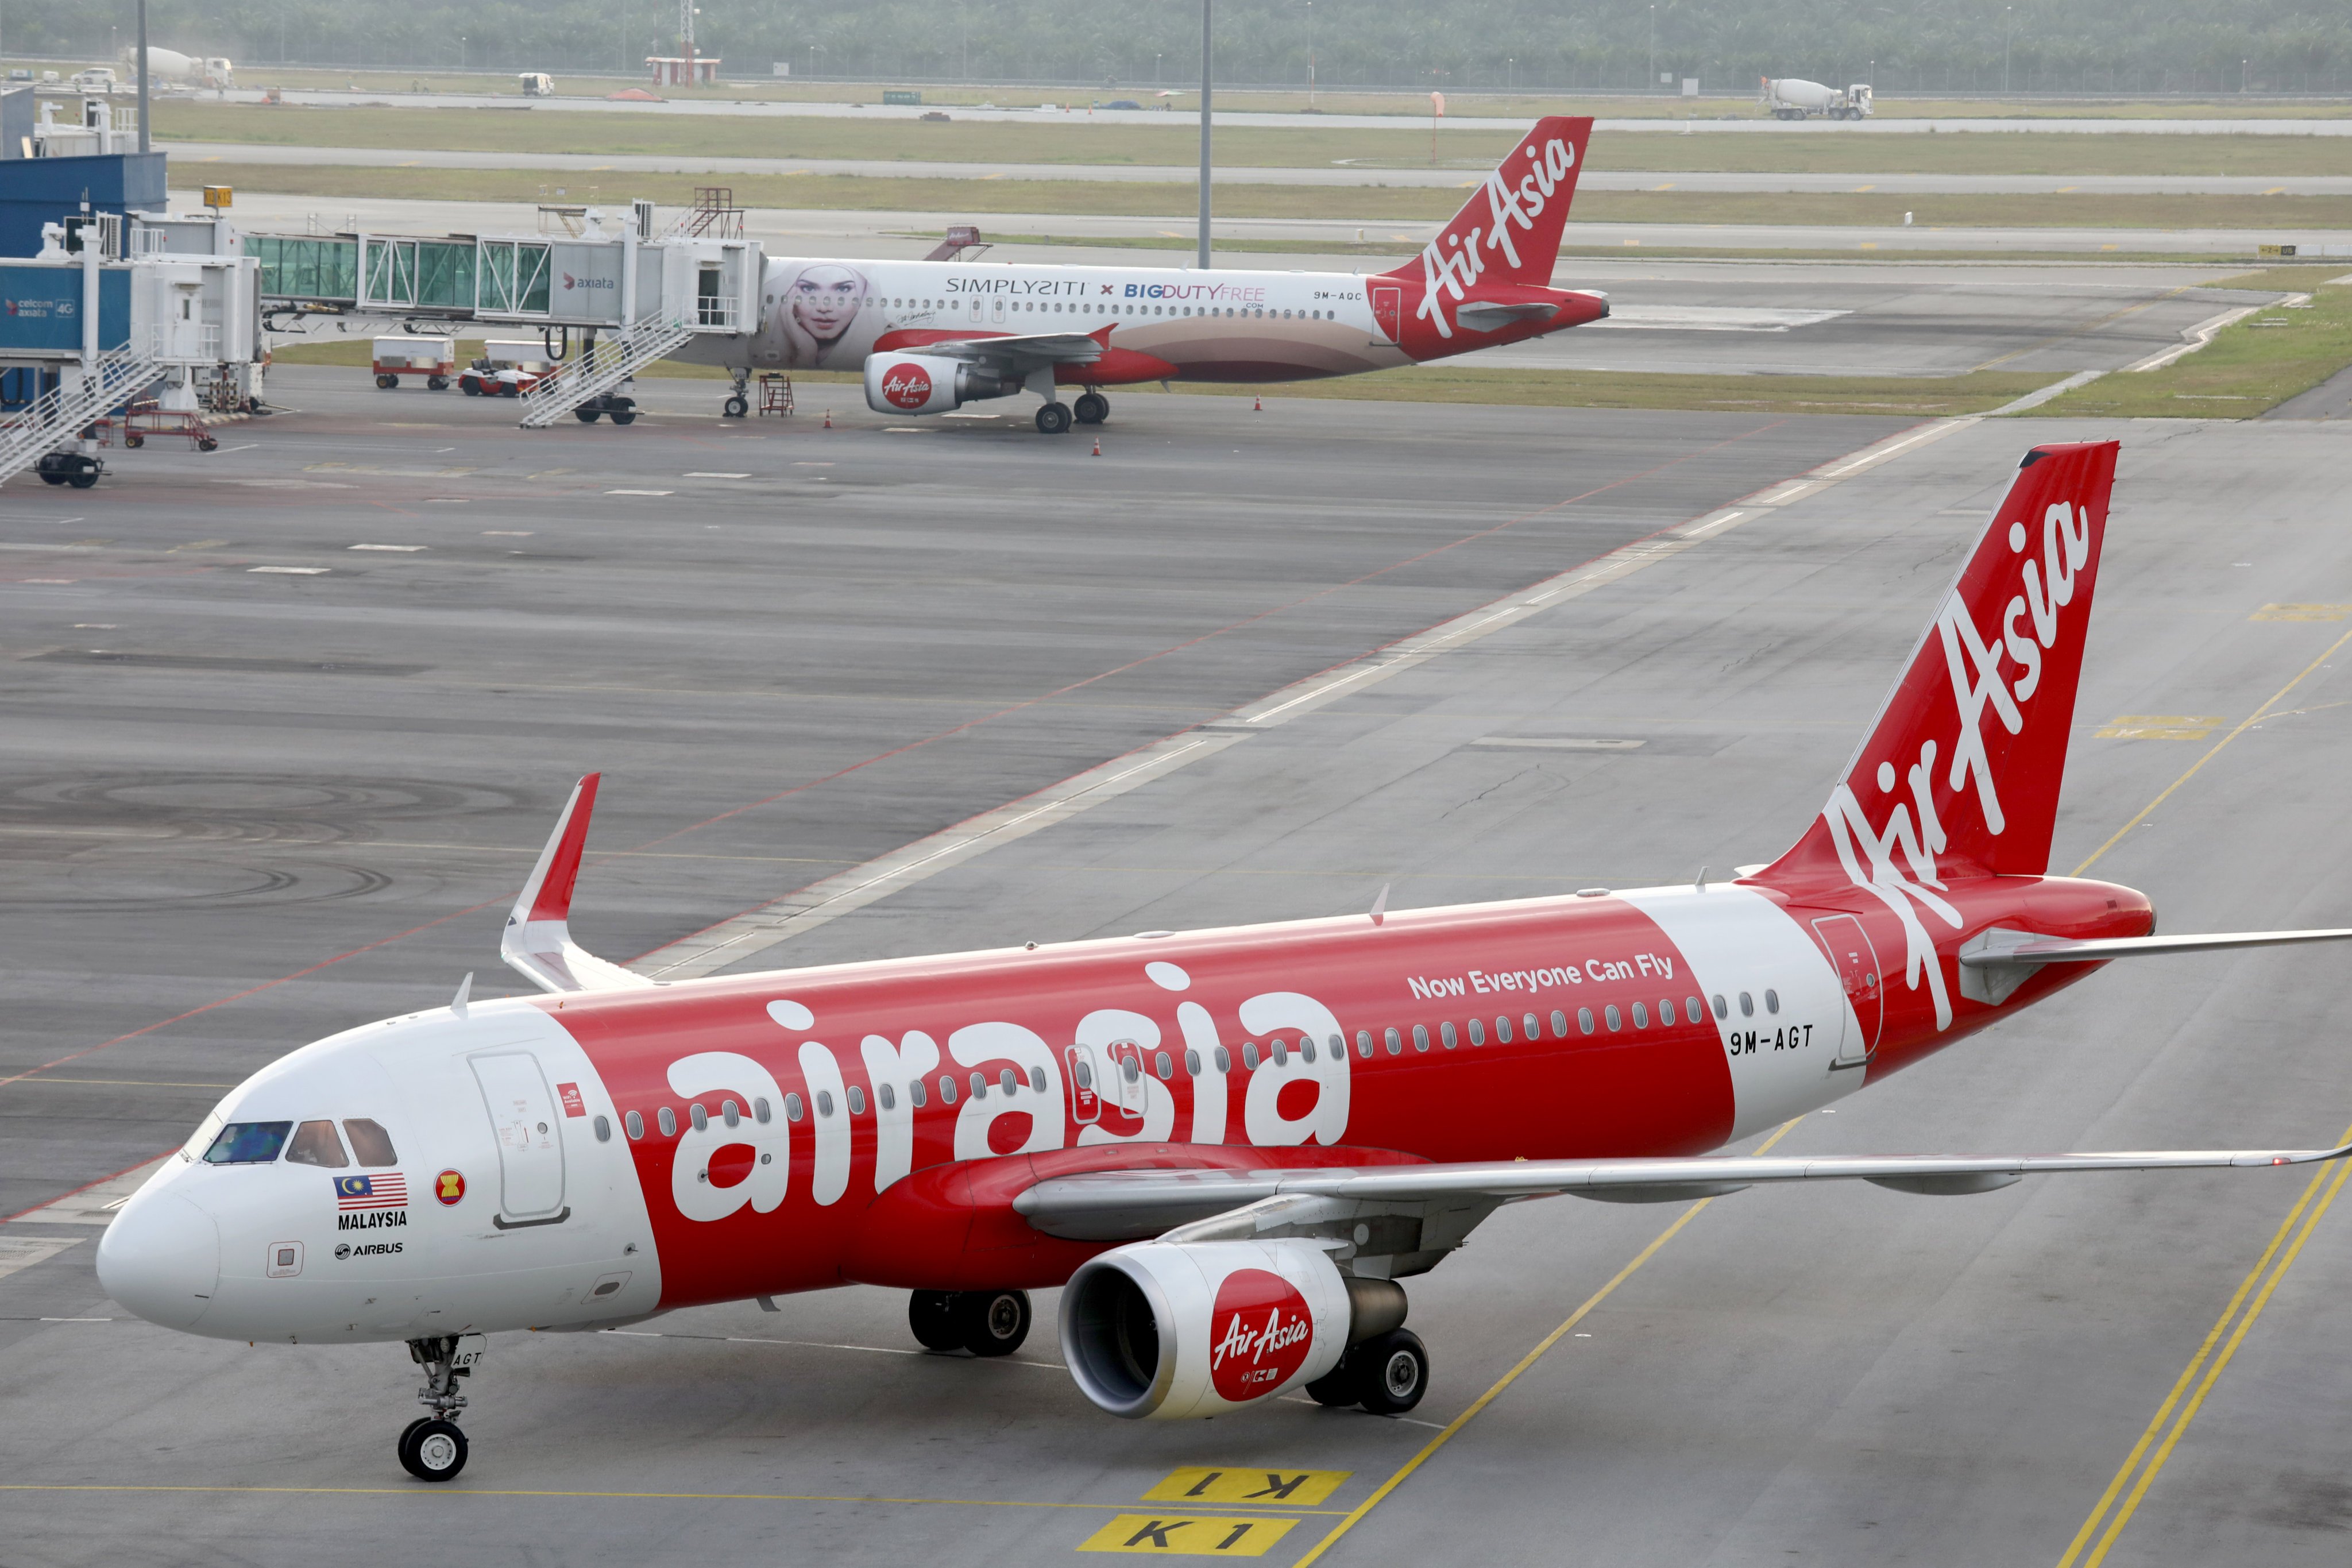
<point>1793,98</point>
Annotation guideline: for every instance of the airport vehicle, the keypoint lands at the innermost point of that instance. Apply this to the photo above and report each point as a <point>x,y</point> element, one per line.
<point>1793,98</point>
<point>506,369</point>
<point>171,67</point>
<point>434,359</point>
<point>1228,1146</point>
<point>935,335</point>
<point>538,84</point>
<point>96,79</point>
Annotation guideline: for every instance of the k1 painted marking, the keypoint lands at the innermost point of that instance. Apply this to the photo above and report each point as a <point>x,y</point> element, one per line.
<point>1188,1535</point>
<point>1241,1483</point>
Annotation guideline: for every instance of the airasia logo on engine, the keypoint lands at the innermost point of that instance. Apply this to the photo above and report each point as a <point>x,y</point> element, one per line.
<point>1259,1334</point>
<point>907,385</point>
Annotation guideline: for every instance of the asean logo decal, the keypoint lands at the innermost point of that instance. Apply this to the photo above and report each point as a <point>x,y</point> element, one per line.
<point>907,385</point>
<point>449,1186</point>
<point>1259,1334</point>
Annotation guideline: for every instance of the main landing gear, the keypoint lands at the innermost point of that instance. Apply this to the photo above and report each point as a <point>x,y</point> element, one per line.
<point>739,402</point>
<point>985,1323</point>
<point>1387,1374</point>
<point>1092,408</point>
<point>433,1448</point>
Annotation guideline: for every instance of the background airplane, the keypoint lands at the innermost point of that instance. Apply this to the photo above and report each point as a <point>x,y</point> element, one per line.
<point>931,336</point>
<point>1228,1146</point>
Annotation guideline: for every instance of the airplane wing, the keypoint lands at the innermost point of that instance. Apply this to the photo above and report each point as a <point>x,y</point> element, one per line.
<point>1413,1215</point>
<point>1017,356</point>
<point>538,940</point>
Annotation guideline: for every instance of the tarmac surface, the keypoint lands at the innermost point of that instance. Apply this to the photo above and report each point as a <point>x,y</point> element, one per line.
<point>246,806</point>
<point>1353,172</point>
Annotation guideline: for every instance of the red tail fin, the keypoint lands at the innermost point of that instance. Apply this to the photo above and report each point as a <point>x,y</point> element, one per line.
<point>1509,232</point>
<point>1960,774</point>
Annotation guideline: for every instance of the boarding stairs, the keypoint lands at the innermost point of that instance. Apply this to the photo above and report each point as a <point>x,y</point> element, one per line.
<point>597,371</point>
<point>61,414</point>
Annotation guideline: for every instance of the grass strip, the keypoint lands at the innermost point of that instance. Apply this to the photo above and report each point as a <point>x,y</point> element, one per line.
<point>2247,369</point>
<point>1309,145</point>
<point>849,193</point>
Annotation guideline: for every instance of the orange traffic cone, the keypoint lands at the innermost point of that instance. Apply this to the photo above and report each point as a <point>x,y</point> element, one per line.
<point>1257,405</point>
<point>1098,447</point>
<point>828,418</point>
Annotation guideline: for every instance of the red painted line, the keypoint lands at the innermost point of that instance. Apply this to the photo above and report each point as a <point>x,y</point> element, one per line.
<point>86,1185</point>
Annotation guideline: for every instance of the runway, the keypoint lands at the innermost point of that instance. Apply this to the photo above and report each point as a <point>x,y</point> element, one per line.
<point>1064,106</point>
<point>1356,174</point>
<point>231,783</point>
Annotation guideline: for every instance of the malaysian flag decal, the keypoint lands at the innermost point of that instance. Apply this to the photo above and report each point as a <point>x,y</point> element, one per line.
<point>387,1191</point>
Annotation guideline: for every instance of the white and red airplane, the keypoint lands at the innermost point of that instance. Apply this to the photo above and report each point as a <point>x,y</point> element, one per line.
<point>1227,1146</point>
<point>934,335</point>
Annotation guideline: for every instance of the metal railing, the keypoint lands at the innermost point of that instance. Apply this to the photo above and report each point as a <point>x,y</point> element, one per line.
<point>598,371</point>
<point>59,413</point>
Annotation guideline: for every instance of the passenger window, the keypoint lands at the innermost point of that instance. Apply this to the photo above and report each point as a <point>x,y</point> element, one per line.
<point>1641,1017</point>
<point>916,1094</point>
<point>1007,1082</point>
<point>1665,1012</point>
<point>791,1108</point>
<point>1584,1019</point>
<point>856,1100</point>
<point>760,1112</point>
<point>1502,1031</point>
<point>666,1120</point>
<point>699,1117</point>
<point>824,1102</point>
<point>1224,1060</point>
<point>1249,1055</point>
<point>1038,1078</point>
<point>315,1143</point>
<point>1363,1042</point>
<point>980,1082</point>
<point>1281,1053</point>
<point>636,1125</point>
<point>371,1144</point>
<point>1421,1037</point>
<point>1193,1064</point>
<point>1086,1076</point>
<point>1531,1027</point>
<point>1446,1036</point>
<point>1771,1001</point>
<point>604,1130</point>
<point>1616,1023</point>
<point>1338,1048</point>
<point>730,1112</point>
<point>1694,1011</point>
<point>1306,1046</point>
<point>1722,1008</point>
<point>1396,1041</point>
<point>1747,1006</point>
<point>1559,1025</point>
<point>887,1095</point>
<point>1477,1032</point>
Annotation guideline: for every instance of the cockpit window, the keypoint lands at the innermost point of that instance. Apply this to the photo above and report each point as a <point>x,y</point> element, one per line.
<point>201,1138</point>
<point>249,1143</point>
<point>369,1141</point>
<point>315,1143</point>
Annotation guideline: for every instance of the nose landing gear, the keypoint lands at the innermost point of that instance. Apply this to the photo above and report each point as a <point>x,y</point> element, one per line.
<point>433,1448</point>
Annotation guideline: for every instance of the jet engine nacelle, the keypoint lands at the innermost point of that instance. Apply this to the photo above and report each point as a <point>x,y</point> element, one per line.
<point>928,383</point>
<point>1169,1330</point>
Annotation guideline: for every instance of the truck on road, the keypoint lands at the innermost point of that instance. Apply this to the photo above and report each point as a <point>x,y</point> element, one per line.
<point>1793,98</point>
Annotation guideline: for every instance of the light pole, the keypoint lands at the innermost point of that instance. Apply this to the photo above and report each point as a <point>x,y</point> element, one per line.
<point>145,144</point>
<point>1510,73</point>
<point>2007,32</point>
<point>1653,83</point>
<point>461,51</point>
<point>815,50</point>
<point>1310,54</point>
<point>1156,59</point>
<point>1207,59</point>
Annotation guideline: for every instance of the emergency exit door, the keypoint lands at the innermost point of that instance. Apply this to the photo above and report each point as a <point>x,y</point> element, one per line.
<point>529,1133</point>
<point>1856,962</point>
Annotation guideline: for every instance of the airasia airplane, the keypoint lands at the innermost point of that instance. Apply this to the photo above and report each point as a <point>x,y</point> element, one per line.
<point>1227,1146</point>
<point>934,335</point>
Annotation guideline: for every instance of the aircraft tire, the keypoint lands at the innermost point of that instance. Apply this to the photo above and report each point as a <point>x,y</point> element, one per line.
<point>433,1450</point>
<point>931,1315</point>
<point>994,1323</point>
<point>1336,1387</point>
<point>1092,408</point>
<point>1053,419</point>
<point>1391,1371</point>
<point>737,408</point>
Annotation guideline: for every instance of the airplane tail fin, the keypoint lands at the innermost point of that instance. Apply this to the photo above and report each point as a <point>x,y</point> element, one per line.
<point>1960,775</point>
<point>1509,232</point>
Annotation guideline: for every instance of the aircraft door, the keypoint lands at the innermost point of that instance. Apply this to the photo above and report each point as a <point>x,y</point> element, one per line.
<point>1085,1102</point>
<point>1856,962</point>
<point>1387,312</point>
<point>998,300</point>
<point>530,1132</point>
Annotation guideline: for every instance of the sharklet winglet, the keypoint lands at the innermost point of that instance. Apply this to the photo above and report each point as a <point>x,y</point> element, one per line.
<point>537,943</point>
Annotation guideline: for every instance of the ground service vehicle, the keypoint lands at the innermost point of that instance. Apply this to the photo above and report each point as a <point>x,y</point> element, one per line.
<point>434,359</point>
<point>1793,98</point>
<point>1227,1146</point>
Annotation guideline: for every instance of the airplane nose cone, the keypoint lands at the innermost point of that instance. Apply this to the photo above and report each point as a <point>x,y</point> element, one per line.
<point>160,1258</point>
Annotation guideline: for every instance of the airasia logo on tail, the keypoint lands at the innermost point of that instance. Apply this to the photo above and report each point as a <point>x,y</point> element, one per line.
<point>1259,1334</point>
<point>907,385</point>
